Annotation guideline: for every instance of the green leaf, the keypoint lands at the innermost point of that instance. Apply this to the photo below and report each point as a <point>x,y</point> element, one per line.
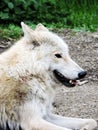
<point>10,5</point>
<point>4,15</point>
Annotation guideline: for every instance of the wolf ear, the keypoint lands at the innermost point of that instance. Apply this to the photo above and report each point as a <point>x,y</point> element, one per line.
<point>26,29</point>
<point>41,27</point>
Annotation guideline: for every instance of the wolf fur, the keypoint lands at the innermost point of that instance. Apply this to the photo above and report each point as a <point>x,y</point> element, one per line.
<point>27,83</point>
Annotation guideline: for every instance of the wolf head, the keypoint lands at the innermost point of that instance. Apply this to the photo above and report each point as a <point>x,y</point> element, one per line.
<point>48,55</point>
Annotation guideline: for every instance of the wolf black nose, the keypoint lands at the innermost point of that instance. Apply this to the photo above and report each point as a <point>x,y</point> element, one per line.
<point>82,74</point>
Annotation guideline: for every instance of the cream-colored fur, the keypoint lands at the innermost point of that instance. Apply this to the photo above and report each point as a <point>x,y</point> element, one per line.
<point>27,83</point>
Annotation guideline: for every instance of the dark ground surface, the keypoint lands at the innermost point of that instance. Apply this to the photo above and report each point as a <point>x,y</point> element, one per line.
<point>80,101</point>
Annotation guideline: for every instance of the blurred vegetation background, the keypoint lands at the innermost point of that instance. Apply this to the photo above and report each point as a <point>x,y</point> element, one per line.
<point>78,14</point>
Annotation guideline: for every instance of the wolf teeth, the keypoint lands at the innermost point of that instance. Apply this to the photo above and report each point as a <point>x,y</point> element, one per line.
<point>70,81</point>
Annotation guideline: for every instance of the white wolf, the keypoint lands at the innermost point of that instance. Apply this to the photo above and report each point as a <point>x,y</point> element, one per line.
<point>30,71</point>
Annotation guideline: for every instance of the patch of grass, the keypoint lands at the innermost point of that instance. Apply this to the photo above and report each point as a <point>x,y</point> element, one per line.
<point>10,31</point>
<point>74,14</point>
<point>53,13</point>
<point>15,31</point>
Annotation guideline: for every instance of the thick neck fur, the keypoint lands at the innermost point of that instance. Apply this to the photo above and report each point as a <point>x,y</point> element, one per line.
<point>22,77</point>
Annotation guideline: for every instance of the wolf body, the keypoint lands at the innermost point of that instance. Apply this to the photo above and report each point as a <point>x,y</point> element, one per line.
<point>30,71</point>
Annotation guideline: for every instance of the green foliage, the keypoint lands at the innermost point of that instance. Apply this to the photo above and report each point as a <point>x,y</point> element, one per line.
<point>11,31</point>
<point>58,13</point>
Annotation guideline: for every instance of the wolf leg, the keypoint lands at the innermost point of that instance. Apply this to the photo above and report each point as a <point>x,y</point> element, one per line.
<point>72,123</point>
<point>41,124</point>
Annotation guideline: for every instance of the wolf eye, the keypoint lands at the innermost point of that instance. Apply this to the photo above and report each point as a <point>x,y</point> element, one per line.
<point>58,55</point>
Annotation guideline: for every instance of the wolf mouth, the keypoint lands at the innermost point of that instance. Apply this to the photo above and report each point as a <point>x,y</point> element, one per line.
<point>65,81</point>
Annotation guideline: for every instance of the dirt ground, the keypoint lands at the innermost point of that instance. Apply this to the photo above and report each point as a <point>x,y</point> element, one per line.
<point>80,101</point>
